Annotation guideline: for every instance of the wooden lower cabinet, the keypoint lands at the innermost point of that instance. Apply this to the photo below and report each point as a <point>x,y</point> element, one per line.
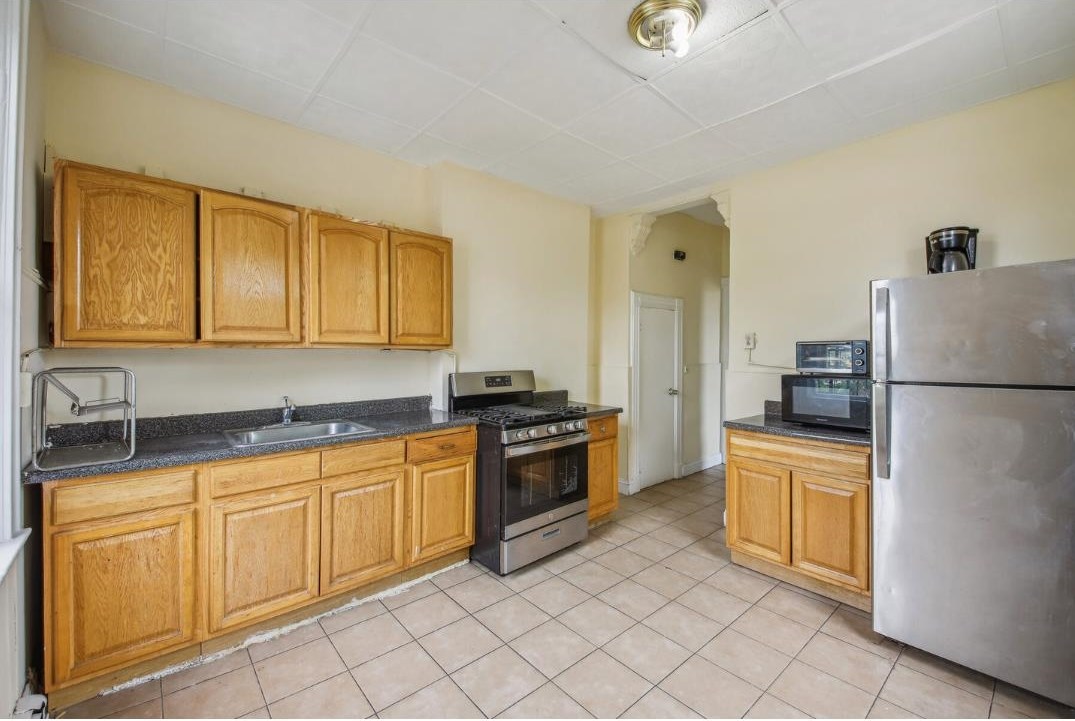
<point>802,509</point>
<point>830,529</point>
<point>602,479</point>
<point>263,555</point>
<point>120,592</point>
<point>441,504</point>
<point>759,510</point>
<point>362,528</point>
<point>141,565</point>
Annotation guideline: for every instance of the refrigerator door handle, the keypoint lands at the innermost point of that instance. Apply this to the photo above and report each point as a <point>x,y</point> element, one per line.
<point>881,431</point>
<point>880,333</point>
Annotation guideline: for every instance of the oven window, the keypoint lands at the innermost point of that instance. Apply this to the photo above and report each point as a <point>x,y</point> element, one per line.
<point>823,357</point>
<point>830,397</point>
<point>542,481</point>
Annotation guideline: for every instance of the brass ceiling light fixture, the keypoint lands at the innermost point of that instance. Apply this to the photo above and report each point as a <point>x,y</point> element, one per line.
<point>665,25</point>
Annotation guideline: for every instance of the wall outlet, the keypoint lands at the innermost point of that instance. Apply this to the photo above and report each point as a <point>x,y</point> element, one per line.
<point>751,341</point>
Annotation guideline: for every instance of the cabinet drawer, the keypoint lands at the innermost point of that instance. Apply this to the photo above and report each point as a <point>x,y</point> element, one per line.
<point>829,460</point>
<point>358,458</point>
<point>119,496</point>
<point>602,428</point>
<point>231,478</point>
<point>442,446</point>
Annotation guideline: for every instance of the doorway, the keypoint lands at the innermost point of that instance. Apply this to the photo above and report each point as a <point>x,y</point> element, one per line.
<point>656,385</point>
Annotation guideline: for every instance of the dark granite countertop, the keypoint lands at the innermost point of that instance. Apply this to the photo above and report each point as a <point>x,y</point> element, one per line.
<point>770,422</point>
<point>554,398</point>
<point>182,440</point>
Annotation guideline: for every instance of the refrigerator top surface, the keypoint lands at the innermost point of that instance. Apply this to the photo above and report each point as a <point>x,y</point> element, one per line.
<point>1008,326</point>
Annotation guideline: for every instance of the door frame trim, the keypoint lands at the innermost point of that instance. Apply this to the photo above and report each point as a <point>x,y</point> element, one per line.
<point>638,302</point>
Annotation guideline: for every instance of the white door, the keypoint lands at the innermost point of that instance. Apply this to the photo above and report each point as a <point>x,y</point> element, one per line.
<point>658,394</point>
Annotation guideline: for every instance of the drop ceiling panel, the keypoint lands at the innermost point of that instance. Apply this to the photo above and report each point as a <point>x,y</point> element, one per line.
<point>969,51</point>
<point>558,78</point>
<point>427,150</point>
<point>1036,28</point>
<point>284,39</point>
<point>488,125</point>
<point>331,118</point>
<point>810,114</point>
<point>1049,68</point>
<point>144,15</point>
<point>469,38</point>
<point>560,158</point>
<point>611,182</point>
<point>603,24</point>
<point>345,11</point>
<point>841,35</point>
<point>637,119</point>
<point>684,157</point>
<point>369,77</point>
<point>210,77</point>
<point>747,71</point>
<point>105,41</point>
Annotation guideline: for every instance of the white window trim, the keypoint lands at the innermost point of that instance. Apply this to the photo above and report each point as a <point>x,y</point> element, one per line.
<point>11,135</point>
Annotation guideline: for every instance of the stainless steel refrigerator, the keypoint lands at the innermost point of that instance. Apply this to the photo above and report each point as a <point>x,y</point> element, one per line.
<point>974,470</point>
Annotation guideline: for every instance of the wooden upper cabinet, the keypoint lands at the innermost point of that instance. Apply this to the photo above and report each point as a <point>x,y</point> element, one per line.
<point>421,290</point>
<point>759,510</point>
<point>830,529</point>
<point>348,281</point>
<point>250,270</point>
<point>126,258</point>
<point>119,592</point>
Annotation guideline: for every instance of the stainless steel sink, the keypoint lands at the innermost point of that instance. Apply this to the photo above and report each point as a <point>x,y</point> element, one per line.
<point>298,431</point>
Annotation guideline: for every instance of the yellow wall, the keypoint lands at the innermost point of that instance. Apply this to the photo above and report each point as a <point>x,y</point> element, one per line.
<point>521,257</point>
<point>807,237</point>
<point>697,281</point>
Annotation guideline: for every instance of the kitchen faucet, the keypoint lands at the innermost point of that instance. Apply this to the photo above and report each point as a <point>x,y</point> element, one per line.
<point>289,408</point>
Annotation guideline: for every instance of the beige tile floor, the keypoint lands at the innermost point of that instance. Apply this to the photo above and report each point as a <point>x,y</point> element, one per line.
<point>647,619</point>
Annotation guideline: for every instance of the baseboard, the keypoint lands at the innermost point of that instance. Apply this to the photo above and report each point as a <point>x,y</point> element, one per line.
<point>626,489</point>
<point>702,463</point>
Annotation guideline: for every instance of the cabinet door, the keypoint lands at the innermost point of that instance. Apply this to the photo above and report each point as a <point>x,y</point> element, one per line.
<point>263,555</point>
<point>250,256</point>
<point>602,479</point>
<point>361,528</point>
<point>348,281</point>
<point>421,290</point>
<point>442,508</point>
<point>127,261</point>
<point>120,592</point>
<point>830,529</point>
<point>759,510</point>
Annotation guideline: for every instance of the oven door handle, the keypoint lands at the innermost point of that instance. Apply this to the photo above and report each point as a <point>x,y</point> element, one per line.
<point>528,448</point>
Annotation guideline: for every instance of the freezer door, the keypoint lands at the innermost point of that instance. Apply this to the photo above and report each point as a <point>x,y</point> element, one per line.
<point>974,529</point>
<point>1002,326</point>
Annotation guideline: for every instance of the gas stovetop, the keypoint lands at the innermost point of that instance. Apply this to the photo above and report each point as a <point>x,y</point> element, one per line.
<point>517,415</point>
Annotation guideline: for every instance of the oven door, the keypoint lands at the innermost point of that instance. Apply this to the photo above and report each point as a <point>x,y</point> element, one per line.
<point>544,482</point>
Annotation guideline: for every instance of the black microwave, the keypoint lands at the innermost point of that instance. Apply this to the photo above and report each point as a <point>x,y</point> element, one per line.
<point>826,400</point>
<point>833,356</point>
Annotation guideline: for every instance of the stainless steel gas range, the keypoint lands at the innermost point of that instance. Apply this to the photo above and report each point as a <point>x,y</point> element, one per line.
<point>532,464</point>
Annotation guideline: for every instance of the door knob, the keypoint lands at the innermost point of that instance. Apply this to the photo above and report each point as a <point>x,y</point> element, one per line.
<point>673,392</point>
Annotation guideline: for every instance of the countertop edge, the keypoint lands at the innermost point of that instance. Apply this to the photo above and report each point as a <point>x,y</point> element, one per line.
<point>757,424</point>
<point>192,457</point>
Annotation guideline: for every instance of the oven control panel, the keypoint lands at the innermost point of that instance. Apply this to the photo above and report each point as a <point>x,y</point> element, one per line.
<point>498,381</point>
<point>544,431</point>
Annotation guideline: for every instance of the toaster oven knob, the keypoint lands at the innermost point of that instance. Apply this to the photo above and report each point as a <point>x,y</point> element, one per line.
<point>859,351</point>
<point>859,362</point>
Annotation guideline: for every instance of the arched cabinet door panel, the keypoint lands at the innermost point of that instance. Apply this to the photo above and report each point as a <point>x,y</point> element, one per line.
<point>421,290</point>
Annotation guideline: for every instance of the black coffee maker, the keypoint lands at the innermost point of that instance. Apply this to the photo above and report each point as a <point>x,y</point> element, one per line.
<point>951,249</point>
